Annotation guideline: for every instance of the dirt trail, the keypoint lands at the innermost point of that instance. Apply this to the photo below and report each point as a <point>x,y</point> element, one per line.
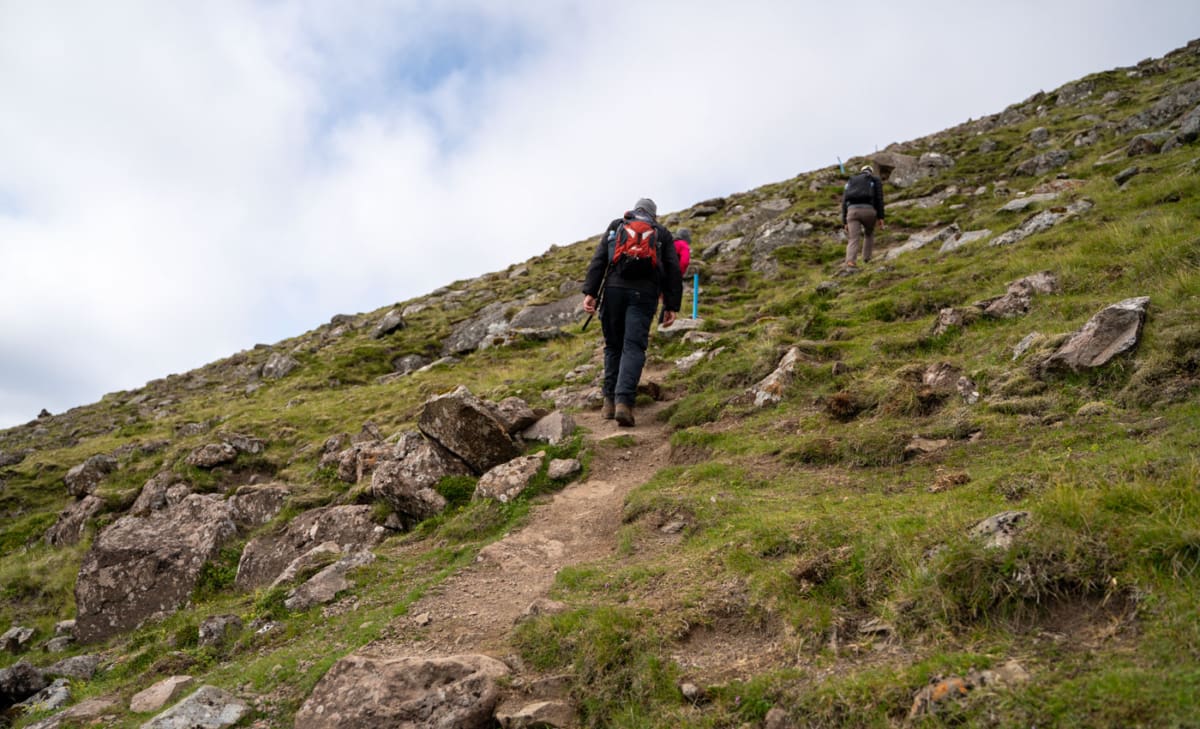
<point>475,610</point>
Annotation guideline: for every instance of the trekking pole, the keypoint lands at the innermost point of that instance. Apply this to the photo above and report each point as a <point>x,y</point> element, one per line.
<point>599,297</point>
<point>696,295</point>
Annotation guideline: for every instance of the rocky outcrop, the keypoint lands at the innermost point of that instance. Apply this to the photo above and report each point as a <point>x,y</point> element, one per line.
<point>83,479</point>
<point>265,557</point>
<point>366,692</point>
<point>16,639</point>
<point>506,481</point>
<point>515,414</point>
<point>487,328</point>
<point>1042,221</point>
<point>279,366</point>
<point>904,170</point>
<point>208,708</point>
<point>922,239</point>
<point>406,481</point>
<point>961,239</point>
<point>1174,103</point>
<point>324,586</point>
<point>1188,132</point>
<point>1019,296</point>
<point>72,522</point>
<point>770,390</point>
<point>1112,331</point>
<point>999,530</point>
<point>254,506</point>
<point>218,629</point>
<point>467,427</point>
<point>141,567</point>
<point>163,489</point>
<point>555,315</point>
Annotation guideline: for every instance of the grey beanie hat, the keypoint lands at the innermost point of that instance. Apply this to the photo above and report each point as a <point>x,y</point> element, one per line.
<point>685,234</point>
<point>647,205</point>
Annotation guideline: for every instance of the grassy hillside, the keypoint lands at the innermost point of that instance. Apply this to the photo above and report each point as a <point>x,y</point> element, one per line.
<point>814,536</point>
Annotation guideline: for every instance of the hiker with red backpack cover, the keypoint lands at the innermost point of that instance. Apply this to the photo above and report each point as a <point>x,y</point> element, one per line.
<point>634,263</point>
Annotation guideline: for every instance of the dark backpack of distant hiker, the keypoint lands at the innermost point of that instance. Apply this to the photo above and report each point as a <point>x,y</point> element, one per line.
<point>860,189</point>
<point>635,253</point>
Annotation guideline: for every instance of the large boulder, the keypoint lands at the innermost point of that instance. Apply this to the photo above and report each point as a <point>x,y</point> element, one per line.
<point>554,315</point>
<point>488,327</point>
<point>554,428</point>
<point>212,455</point>
<point>279,365</point>
<point>208,708</point>
<point>265,557</point>
<point>83,479</point>
<point>141,567</point>
<point>324,586</point>
<point>256,505</point>
<point>366,692</point>
<point>72,521</point>
<point>18,682</point>
<point>393,321</point>
<point>407,481</point>
<point>467,427</point>
<point>1043,163</point>
<point>1112,331</point>
<point>160,694</point>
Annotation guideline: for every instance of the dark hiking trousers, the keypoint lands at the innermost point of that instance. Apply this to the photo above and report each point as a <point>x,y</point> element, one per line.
<point>625,319</point>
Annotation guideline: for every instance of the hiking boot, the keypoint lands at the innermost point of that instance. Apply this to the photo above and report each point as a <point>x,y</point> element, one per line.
<point>624,415</point>
<point>607,409</point>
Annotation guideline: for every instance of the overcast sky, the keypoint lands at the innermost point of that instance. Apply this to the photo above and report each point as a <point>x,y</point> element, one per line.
<point>182,180</point>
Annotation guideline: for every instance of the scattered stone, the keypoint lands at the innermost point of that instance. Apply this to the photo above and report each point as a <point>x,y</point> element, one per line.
<point>219,629</point>
<point>1144,144</point>
<point>539,715</point>
<point>1019,204</point>
<point>506,481</point>
<point>999,530</point>
<point>409,364</point>
<point>1114,330</point>
<point>555,428</point>
<point>212,455</point>
<point>82,668</point>
<point>1126,175</point>
<point>424,620</point>
<point>685,364</point>
<point>61,644</point>
<point>919,446</point>
<point>561,468</point>
<point>85,713</point>
<point>18,682</point>
<point>160,694</point>
<point>578,398</point>
<point>1023,346</point>
<point>680,328</point>
<point>208,708</point>
<point>16,639</point>
<point>324,586</point>
<point>350,527</point>
<point>691,692</point>
<point>393,321</point>
<point>515,414</point>
<point>922,239</point>
<point>279,365</point>
<point>364,692</point>
<point>556,315</point>
<point>777,718</point>
<point>1188,132</point>
<point>311,561</point>
<point>463,424</point>
<point>154,493</point>
<point>770,390</point>
<point>141,567</point>
<point>1039,136</point>
<point>962,239</point>
<point>543,606</point>
<point>675,526</point>
<point>83,479</point>
<point>1043,163</point>
<point>11,459</point>
<point>953,317</point>
<point>53,697</point>
<point>1019,296</point>
<point>1075,92</point>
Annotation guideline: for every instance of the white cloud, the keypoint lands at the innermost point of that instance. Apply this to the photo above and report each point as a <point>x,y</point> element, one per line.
<point>181,181</point>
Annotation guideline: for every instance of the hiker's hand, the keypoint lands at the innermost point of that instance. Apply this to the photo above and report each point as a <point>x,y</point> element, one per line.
<point>668,318</point>
<point>882,225</point>
<point>589,304</point>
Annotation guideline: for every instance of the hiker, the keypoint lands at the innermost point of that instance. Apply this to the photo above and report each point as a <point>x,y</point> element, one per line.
<point>862,207</point>
<point>634,263</point>
<point>683,246</point>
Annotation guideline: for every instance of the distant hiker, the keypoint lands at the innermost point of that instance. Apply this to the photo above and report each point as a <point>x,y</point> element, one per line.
<point>634,263</point>
<point>683,246</point>
<point>862,207</point>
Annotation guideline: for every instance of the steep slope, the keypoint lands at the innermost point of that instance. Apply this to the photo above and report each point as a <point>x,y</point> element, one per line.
<point>806,552</point>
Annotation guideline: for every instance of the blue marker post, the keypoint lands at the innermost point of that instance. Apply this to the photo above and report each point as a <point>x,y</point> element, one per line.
<point>695,295</point>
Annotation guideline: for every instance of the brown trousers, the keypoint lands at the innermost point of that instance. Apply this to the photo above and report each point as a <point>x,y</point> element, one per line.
<point>860,223</point>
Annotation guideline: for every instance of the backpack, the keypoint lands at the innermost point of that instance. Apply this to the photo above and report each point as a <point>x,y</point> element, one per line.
<point>635,253</point>
<point>860,189</point>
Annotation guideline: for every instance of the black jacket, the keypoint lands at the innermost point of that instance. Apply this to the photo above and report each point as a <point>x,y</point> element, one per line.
<point>876,201</point>
<point>668,282</point>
